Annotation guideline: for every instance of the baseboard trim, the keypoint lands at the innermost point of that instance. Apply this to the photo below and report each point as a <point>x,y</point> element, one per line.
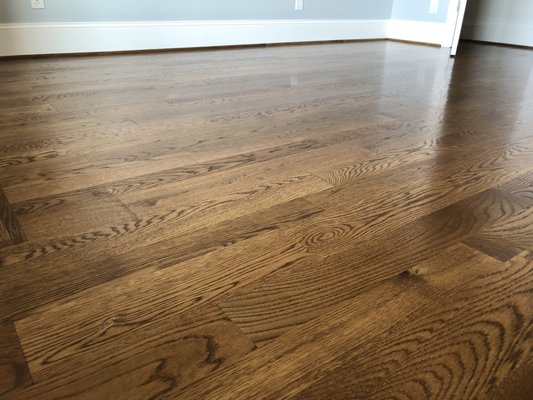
<point>486,43</point>
<point>199,49</point>
<point>76,38</point>
<point>432,33</point>
<point>417,43</point>
<point>20,40</point>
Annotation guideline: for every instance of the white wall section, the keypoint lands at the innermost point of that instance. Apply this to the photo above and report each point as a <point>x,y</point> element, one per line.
<point>419,31</point>
<point>488,20</point>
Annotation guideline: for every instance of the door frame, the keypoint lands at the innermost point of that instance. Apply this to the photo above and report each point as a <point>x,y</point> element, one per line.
<point>454,24</point>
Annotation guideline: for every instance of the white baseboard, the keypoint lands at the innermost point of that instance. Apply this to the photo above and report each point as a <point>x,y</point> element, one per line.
<point>419,31</point>
<point>57,38</point>
<point>516,34</point>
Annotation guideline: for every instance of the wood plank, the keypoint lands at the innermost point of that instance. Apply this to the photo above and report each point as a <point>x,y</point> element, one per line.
<point>230,237</point>
<point>517,386</point>
<point>9,221</point>
<point>150,183</point>
<point>241,183</point>
<point>42,181</point>
<point>28,158</point>
<point>155,183</point>
<point>186,348</point>
<point>66,136</point>
<point>54,347</point>
<point>43,334</point>
<point>472,351</point>
<point>303,215</point>
<point>414,192</point>
<point>27,113</point>
<point>456,310</point>
<point>4,234</point>
<point>341,269</point>
<point>506,239</point>
<point>177,223</point>
<point>14,373</point>
<point>521,186</point>
<point>68,215</point>
<point>371,216</point>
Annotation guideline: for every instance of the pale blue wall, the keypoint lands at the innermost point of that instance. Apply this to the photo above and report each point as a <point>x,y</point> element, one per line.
<point>501,21</point>
<point>509,12</point>
<point>418,10</point>
<point>155,10</point>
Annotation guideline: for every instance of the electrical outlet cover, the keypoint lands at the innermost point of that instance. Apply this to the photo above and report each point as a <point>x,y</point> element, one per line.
<point>37,3</point>
<point>434,6</point>
<point>299,5</point>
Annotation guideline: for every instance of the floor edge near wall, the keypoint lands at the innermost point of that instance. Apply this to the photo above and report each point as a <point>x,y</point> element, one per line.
<point>415,42</point>
<point>500,44</point>
<point>248,46</point>
<point>211,48</point>
<point>207,48</point>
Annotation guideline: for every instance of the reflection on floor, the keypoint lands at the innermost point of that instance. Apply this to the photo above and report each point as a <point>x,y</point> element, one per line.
<point>332,221</point>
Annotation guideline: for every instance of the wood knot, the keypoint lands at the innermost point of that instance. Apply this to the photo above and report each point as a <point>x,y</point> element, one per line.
<point>405,274</point>
<point>409,273</point>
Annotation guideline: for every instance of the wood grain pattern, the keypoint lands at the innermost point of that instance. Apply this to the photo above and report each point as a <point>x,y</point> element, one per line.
<point>9,224</point>
<point>98,211</point>
<point>517,386</point>
<point>153,362</point>
<point>245,255</point>
<point>391,329</point>
<point>277,303</point>
<point>14,372</point>
<point>332,221</point>
<point>5,237</point>
<point>473,348</point>
<point>505,238</point>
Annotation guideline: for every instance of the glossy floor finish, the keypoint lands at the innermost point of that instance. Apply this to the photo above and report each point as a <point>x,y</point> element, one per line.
<point>342,221</point>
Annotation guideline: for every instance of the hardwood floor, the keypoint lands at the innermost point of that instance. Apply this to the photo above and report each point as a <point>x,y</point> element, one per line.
<point>341,221</point>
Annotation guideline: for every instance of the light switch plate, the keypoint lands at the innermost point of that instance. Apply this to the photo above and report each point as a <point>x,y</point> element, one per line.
<point>434,6</point>
<point>37,4</point>
<point>299,5</point>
